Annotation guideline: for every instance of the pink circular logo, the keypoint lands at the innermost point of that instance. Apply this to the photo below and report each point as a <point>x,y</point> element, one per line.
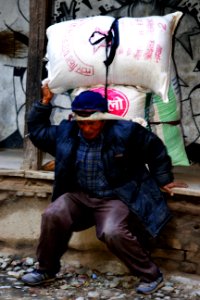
<point>118,103</point>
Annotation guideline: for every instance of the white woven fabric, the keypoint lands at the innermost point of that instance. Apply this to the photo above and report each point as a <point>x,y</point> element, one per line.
<point>142,58</point>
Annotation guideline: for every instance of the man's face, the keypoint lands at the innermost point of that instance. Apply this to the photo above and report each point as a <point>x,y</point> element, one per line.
<point>90,129</point>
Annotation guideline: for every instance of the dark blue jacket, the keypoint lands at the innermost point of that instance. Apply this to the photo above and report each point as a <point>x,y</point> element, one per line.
<point>135,161</point>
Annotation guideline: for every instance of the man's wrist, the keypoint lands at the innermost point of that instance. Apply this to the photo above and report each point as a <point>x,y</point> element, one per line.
<point>44,101</point>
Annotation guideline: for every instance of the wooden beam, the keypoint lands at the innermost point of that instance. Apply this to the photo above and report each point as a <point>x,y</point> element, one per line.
<point>40,17</point>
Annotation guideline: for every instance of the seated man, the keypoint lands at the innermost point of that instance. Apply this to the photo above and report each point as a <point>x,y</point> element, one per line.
<point>108,173</point>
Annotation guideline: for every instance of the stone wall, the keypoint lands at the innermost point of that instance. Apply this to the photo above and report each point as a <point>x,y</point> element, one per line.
<point>178,245</point>
<point>23,200</point>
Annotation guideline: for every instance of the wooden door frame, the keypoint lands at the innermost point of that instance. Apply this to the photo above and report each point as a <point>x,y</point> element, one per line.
<point>40,19</point>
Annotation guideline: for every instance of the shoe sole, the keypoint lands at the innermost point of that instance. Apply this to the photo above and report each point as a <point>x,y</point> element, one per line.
<point>161,284</point>
<point>40,282</point>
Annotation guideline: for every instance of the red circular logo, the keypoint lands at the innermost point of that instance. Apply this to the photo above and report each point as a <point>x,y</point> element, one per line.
<point>118,103</point>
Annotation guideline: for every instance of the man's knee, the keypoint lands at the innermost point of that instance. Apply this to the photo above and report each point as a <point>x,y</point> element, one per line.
<point>52,215</point>
<point>110,235</point>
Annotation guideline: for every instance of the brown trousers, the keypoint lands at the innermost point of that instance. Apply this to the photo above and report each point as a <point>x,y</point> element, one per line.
<point>111,217</point>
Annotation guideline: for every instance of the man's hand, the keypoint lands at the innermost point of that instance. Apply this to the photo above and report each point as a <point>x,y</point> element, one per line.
<point>168,188</point>
<point>47,95</point>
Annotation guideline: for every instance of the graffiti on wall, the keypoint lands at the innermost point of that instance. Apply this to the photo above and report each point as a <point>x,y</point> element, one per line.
<point>14,27</point>
<point>186,53</point>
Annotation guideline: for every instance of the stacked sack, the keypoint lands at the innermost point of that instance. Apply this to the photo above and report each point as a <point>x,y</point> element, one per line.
<point>140,84</point>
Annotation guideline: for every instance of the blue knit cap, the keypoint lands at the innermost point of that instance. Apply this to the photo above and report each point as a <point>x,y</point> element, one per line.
<point>89,101</point>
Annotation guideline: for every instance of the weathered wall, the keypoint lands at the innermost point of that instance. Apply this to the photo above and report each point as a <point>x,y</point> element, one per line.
<point>14,30</point>
<point>22,202</point>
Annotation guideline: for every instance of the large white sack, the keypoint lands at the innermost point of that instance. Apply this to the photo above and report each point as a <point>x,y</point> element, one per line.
<point>123,101</point>
<point>142,58</point>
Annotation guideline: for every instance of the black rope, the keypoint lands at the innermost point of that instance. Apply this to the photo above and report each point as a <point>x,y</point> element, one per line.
<point>112,42</point>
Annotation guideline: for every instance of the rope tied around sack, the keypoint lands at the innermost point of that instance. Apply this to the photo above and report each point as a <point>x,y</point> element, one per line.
<point>112,43</point>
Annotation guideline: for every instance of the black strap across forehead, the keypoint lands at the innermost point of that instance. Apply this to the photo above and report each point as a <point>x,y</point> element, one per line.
<point>84,113</point>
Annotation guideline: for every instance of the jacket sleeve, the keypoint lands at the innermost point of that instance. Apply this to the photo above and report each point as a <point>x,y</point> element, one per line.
<point>41,132</point>
<point>154,153</point>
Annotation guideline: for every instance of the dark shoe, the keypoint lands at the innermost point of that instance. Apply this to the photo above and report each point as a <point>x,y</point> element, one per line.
<point>37,277</point>
<point>150,287</point>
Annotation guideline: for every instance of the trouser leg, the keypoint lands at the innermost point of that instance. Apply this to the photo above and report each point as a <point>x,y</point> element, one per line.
<point>112,219</point>
<point>59,220</point>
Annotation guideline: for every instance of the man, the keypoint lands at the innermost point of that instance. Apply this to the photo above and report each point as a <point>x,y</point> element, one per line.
<point>108,174</point>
